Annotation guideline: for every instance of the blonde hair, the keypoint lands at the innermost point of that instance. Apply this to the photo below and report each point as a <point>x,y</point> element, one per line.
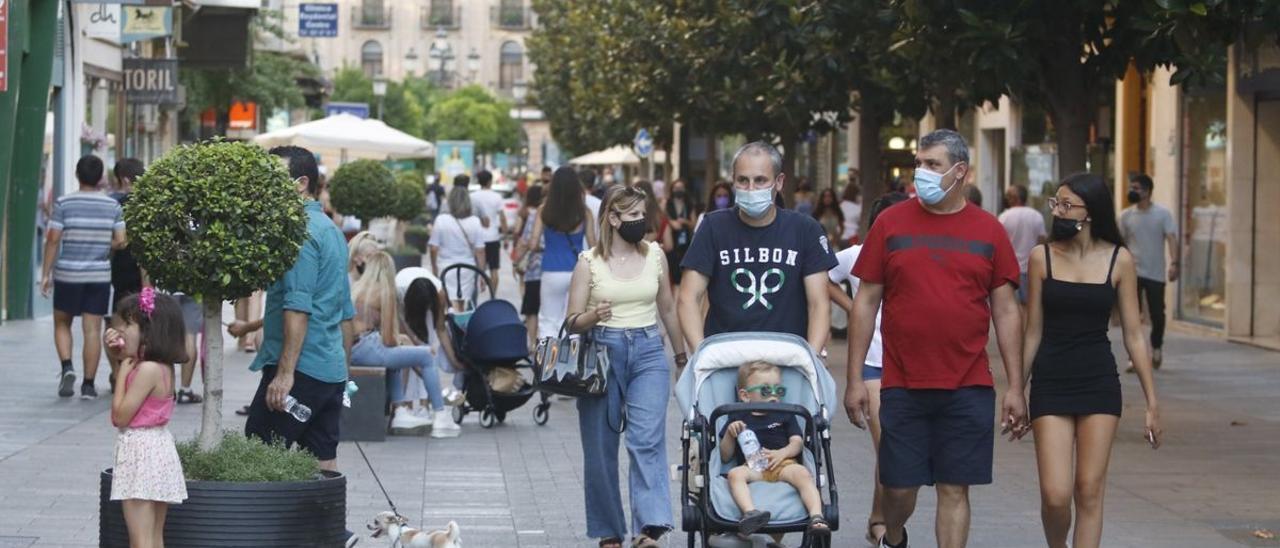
<point>379,282</point>
<point>617,201</point>
<point>363,244</point>
<point>746,370</point>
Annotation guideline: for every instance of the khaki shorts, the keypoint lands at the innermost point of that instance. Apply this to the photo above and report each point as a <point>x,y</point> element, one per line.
<point>772,475</point>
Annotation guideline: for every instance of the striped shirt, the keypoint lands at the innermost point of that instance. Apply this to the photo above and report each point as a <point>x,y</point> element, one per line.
<point>87,221</point>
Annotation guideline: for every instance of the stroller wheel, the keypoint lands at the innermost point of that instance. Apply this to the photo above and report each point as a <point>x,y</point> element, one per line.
<point>488,419</point>
<point>458,414</point>
<point>540,415</point>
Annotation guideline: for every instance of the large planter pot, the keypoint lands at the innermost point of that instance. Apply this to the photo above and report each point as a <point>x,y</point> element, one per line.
<point>417,239</point>
<point>227,514</point>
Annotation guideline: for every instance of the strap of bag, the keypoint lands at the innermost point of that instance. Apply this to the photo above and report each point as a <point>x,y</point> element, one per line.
<point>463,230</point>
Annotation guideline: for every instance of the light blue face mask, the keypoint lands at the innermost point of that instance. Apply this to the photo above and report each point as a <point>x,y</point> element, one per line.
<point>755,203</point>
<point>929,185</point>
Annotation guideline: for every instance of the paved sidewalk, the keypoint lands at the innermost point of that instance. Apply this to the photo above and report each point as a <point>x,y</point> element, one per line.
<point>520,485</point>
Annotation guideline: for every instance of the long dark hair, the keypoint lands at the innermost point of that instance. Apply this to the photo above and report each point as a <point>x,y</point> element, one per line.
<point>420,299</point>
<point>162,334</point>
<point>687,200</point>
<point>821,208</point>
<point>563,209</point>
<point>711,195</point>
<point>1097,202</point>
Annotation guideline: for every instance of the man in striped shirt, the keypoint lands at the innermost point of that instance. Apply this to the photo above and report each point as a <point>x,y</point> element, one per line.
<point>85,227</point>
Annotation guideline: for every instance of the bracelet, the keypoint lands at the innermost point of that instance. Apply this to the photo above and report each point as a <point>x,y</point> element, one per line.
<point>681,359</point>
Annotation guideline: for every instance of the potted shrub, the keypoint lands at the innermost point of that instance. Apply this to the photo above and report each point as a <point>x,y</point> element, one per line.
<point>417,236</point>
<point>220,220</point>
<point>410,200</point>
<point>365,189</point>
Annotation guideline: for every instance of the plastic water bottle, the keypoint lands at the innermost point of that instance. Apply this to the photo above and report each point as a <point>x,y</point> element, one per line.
<point>295,408</point>
<point>751,451</point>
<point>346,394</point>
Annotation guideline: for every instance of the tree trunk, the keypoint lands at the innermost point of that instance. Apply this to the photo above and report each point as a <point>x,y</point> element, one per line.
<point>711,166</point>
<point>1072,127</point>
<point>790,161</point>
<point>211,416</point>
<point>872,177</point>
<point>944,110</point>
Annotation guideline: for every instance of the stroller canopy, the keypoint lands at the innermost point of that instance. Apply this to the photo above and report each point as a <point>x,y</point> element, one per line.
<point>731,350</point>
<point>495,333</point>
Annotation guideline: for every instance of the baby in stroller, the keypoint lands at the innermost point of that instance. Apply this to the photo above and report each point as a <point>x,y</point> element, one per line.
<point>780,442</point>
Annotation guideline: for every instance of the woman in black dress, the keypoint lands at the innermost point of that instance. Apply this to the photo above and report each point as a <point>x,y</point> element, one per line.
<point>1074,282</point>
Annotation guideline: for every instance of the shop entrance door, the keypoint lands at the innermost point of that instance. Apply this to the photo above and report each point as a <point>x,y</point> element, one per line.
<point>1266,251</point>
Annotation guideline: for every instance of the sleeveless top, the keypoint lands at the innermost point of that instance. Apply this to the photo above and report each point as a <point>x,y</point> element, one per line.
<point>560,250</point>
<point>1076,315</point>
<point>633,301</point>
<point>154,411</point>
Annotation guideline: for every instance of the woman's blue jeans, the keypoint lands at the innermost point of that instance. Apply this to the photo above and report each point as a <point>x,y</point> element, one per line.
<point>370,352</point>
<point>641,380</point>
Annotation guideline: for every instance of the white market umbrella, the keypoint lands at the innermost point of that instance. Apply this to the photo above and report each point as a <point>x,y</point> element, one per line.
<point>615,155</point>
<point>350,138</point>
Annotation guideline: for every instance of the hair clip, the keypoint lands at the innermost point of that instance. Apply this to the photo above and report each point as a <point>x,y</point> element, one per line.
<point>147,301</point>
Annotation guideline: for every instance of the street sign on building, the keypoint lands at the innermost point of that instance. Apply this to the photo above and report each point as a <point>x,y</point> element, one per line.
<point>151,81</point>
<point>359,110</point>
<point>144,23</point>
<point>4,45</point>
<point>102,21</point>
<point>317,20</point>
<point>643,143</point>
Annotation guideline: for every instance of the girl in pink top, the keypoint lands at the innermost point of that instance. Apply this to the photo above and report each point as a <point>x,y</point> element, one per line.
<point>147,336</point>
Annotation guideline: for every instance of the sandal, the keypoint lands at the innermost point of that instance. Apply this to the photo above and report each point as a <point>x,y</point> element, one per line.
<point>644,541</point>
<point>872,538</point>
<point>752,521</point>
<point>243,411</point>
<point>818,528</point>
<point>188,396</point>
<point>611,542</point>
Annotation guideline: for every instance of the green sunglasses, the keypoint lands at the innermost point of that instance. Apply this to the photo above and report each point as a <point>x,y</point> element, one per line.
<point>768,390</point>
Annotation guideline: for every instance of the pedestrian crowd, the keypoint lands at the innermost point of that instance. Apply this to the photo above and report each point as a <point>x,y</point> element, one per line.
<point>647,278</point>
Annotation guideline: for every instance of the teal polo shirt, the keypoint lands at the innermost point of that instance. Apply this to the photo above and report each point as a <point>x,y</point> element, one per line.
<point>317,286</point>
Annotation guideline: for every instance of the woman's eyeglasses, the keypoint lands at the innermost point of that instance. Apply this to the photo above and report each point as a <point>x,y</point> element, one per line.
<point>1064,206</point>
<point>768,390</point>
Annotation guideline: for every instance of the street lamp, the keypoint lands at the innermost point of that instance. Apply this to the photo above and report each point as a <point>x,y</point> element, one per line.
<point>519,90</point>
<point>441,51</point>
<point>411,60</point>
<point>380,91</point>
<point>473,64</point>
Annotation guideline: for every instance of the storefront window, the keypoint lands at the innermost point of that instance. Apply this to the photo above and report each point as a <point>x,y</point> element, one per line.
<point>1202,285</point>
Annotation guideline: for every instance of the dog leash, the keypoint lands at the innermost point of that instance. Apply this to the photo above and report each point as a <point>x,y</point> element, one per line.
<point>377,479</point>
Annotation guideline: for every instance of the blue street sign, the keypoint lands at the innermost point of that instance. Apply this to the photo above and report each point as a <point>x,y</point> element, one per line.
<point>643,143</point>
<point>317,20</point>
<point>359,110</point>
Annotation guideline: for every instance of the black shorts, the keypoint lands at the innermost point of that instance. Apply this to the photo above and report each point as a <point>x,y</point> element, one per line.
<point>318,435</point>
<point>531,303</point>
<point>76,299</point>
<point>936,436</point>
<point>493,254</point>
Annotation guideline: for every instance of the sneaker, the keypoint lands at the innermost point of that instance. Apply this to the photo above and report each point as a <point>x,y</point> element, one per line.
<point>66,384</point>
<point>453,397</point>
<point>352,539</point>
<point>88,392</point>
<point>884,542</point>
<point>1157,357</point>
<point>424,412</point>
<point>404,422</point>
<point>444,427</point>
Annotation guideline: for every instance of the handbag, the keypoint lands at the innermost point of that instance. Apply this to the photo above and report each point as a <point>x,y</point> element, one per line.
<point>571,365</point>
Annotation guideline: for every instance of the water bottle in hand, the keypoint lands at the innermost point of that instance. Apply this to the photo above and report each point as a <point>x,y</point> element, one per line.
<point>295,408</point>
<point>751,451</point>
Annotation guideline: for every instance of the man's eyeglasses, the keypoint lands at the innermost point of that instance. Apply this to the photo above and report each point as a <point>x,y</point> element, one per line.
<point>1062,205</point>
<point>768,390</point>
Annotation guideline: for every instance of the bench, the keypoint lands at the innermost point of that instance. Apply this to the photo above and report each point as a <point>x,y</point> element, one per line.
<point>366,419</point>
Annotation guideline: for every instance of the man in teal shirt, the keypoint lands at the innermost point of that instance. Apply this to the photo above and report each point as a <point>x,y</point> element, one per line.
<point>307,331</point>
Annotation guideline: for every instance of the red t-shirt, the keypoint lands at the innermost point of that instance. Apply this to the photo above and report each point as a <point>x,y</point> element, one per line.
<point>938,272</point>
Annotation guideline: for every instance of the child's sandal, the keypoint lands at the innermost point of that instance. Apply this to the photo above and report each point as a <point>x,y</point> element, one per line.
<point>818,527</point>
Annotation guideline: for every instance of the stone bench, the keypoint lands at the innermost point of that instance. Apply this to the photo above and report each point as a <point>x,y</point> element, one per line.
<point>366,419</point>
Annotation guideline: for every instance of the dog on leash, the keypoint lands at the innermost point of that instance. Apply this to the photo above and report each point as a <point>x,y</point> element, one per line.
<point>394,526</point>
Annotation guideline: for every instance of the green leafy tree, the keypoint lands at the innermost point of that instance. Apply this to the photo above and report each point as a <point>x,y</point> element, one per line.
<point>365,189</point>
<point>405,105</point>
<point>411,196</point>
<point>217,220</point>
<point>471,113</point>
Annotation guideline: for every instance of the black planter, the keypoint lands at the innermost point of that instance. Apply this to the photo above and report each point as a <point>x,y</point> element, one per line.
<point>227,514</point>
<point>405,261</point>
<point>417,240</point>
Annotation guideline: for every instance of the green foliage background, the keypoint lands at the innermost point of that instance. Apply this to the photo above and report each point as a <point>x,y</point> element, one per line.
<point>244,459</point>
<point>364,188</point>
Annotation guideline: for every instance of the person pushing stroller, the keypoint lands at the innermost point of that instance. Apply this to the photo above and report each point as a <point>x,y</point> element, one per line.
<point>781,444</point>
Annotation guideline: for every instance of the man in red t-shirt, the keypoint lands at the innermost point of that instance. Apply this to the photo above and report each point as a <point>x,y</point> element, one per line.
<point>943,268</point>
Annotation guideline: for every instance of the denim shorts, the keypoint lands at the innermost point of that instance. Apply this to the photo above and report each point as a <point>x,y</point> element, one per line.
<point>936,436</point>
<point>871,373</point>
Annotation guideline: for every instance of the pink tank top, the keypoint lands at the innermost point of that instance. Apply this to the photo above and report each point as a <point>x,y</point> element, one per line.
<point>154,411</point>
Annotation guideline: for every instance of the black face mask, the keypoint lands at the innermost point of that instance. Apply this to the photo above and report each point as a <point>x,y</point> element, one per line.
<point>679,194</point>
<point>633,231</point>
<point>1135,196</point>
<point>1065,229</point>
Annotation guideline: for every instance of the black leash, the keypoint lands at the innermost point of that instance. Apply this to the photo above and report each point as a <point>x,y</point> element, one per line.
<point>375,478</point>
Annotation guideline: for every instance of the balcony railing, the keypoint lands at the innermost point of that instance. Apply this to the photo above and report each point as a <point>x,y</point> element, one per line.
<point>432,18</point>
<point>511,18</point>
<point>370,19</point>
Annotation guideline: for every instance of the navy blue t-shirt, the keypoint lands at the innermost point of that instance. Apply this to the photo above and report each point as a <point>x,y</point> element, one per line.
<point>773,429</point>
<point>756,274</point>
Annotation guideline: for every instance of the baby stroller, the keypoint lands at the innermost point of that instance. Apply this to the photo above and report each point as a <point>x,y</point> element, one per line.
<point>486,337</point>
<point>707,393</point>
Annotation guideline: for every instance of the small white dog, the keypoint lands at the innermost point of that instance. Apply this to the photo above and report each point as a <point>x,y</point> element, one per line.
<point>394,526</point>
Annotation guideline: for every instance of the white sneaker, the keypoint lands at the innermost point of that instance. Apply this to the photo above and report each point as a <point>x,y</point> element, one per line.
<point>424,412</point>
<point>444,427</point>
<point>405,422</point>
<point>452,396</point>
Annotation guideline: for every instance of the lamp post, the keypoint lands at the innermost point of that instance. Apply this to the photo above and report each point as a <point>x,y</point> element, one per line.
<point>380,91</point>
<point>520,90</point>
<point>441,51</point>
<point>411,60</point>
<point>473,64</point>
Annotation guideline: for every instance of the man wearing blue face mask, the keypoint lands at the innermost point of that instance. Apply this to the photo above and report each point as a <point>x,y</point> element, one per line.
<point>944,269</point>
<point>760,267</point>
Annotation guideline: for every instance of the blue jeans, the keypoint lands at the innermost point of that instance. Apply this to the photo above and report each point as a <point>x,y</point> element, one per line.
<point>641,377</point>
<point>369,351</point>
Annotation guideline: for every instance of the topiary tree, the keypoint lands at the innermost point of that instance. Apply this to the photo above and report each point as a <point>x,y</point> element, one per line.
<point>363,188</point>
<point>216,220</point>
<point>411,197</point>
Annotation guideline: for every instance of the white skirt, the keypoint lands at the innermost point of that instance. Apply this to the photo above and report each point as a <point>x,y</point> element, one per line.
<point>147,466</point>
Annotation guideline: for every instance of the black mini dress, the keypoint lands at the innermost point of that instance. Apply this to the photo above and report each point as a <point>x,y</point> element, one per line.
<point>1074,371</point>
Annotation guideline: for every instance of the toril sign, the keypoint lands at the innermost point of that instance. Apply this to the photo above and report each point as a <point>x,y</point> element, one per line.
<point>151,81</point>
